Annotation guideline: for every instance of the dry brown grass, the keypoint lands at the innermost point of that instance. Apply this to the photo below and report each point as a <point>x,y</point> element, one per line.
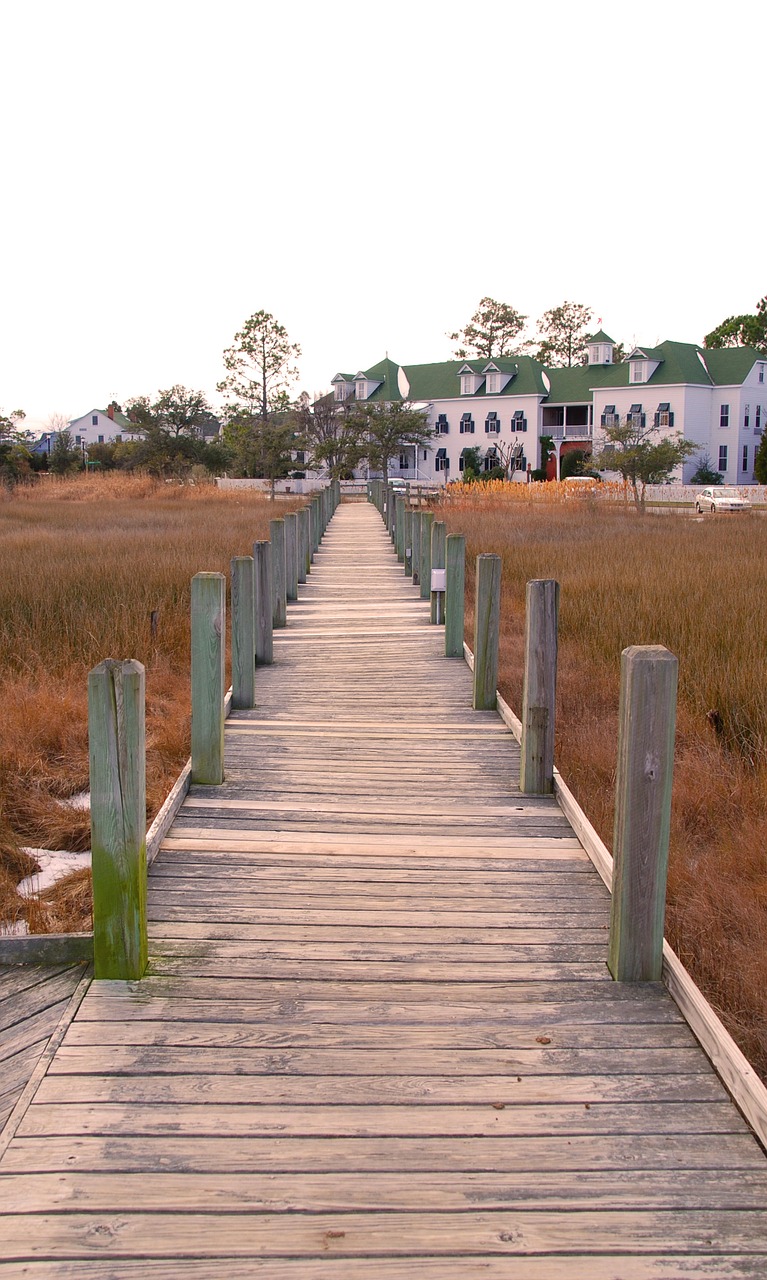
<point>700,588</point>
<point>85,564</point>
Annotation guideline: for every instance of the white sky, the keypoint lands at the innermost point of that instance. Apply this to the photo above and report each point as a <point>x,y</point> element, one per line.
<point>367,174</point>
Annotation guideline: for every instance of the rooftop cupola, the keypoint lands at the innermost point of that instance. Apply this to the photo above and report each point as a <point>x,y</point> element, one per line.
<point>600,348</point>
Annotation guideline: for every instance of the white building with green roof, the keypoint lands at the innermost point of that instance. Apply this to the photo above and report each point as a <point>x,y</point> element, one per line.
<point>716,398</point>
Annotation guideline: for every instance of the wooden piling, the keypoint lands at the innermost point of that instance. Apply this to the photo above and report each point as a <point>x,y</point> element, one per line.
<point>487,615</point>
<point>424,572</point>
<point>264,603</point>
<point>291,556</point>
<point>407,539</point>
<point>117,751</point>
<point>416,519</point>
<point>536,768</point>
<point>243,633</point>
<point>437,614</point>
<point>279,573</point>
<point>646,724</point>
<point>208,636</point>
<point>455,556</point>
<point>304,552</point>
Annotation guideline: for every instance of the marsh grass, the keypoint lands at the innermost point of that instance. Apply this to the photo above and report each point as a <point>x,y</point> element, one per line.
<point>699,587</point>
<point>87,563</point>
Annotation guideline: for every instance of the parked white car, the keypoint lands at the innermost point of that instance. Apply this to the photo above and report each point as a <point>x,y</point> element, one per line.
<point>720,499</point>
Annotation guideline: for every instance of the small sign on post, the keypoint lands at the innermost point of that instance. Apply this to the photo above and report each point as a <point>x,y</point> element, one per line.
<point>438,579</point>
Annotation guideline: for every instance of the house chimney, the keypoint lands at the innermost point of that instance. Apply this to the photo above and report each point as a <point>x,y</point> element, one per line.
<point>111,411</point>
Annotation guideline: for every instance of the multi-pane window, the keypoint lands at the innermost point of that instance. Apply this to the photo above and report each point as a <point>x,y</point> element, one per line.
<point>492,425</point>
<point>467,384</point>
<point>492,386</point>
<point>745,458</point>
<point>664,417</point>
<point>746,415</point>
<point>758,418</point>
<point>101,439</point>
<point>637,371</point>
<point>723,457</point>
<point>94,419</point>
<point>635,416</point>
<point>78,439</point>
<point>467,424</point>
<point>610,418</point>
<point>724,415</point>
<point>518,421</point>
<point>442,425</point>
<point>760,372</point>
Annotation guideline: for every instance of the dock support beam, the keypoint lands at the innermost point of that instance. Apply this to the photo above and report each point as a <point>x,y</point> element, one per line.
<point>279,573</point>
<point>437,615</point>
<point>455,555</point>
<point>487,616</point>
<point>117,750</point>
<point>646,724</point>
<point>243,633</point>
<point>536,765</point>
<point>208,635</point>
<point>264,607</point>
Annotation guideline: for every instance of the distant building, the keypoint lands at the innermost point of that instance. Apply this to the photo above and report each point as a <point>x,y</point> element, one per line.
<point>716,398</point>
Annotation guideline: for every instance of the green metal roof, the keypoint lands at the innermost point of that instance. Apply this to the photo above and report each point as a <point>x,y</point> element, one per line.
<point>678,362</point>
<point>601,337</point>
<point>730,365</point>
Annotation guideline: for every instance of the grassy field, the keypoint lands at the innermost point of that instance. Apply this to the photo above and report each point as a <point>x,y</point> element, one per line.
<point>86,563</point>
<point>699,587</point>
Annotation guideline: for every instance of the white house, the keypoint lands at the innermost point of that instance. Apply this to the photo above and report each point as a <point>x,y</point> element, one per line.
<point>100,426</point>
<point>716,398</point>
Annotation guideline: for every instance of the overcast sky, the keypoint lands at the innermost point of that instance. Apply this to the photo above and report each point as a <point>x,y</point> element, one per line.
<point>366,174</point>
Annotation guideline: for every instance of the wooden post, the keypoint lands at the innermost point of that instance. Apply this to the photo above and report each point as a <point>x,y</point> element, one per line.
<point>208,632</point>
<point>455,555</point>
<point>264,603</point>
<point>424,573</point>
<point>291,556</point>
<point>304,557</point>
<point>416,540</point>
<point>646,723</point>
<point>279,573</point>
<point>536,765</point>
<point>487,615</point>
<point>117,750</point>
<point>400,525</point>
<point>315,525</point>
<point>437,562</point>
<point>407,539</point>
<point>243,633</point>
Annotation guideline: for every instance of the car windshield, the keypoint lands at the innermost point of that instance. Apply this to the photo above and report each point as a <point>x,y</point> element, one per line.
<point>727,493</point>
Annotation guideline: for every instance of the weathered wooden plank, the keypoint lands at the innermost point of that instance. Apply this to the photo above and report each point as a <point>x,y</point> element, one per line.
<point>344,1192</point>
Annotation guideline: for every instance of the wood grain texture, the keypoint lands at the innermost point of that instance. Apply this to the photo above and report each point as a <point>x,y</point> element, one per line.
<point>117,754</point>
<point>646,725</point>
<point>208,683</point>
<point>539,689</point>
<point>377,1036</point>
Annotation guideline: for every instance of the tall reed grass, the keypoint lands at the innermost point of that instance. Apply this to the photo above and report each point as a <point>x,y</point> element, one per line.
<point>698,586</point>
<point>97,567</point>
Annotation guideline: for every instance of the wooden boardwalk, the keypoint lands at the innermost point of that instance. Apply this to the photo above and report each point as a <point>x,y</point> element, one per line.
<point>377,1039</point>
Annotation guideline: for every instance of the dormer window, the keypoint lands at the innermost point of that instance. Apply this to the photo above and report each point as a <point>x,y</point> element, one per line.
<point>361,388</point>
<point>493,383</point>
<point>467,384</point>
<point>637,371</point>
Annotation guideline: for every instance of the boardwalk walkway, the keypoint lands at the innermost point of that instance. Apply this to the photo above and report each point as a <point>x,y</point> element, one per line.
<point>377,1038</point>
